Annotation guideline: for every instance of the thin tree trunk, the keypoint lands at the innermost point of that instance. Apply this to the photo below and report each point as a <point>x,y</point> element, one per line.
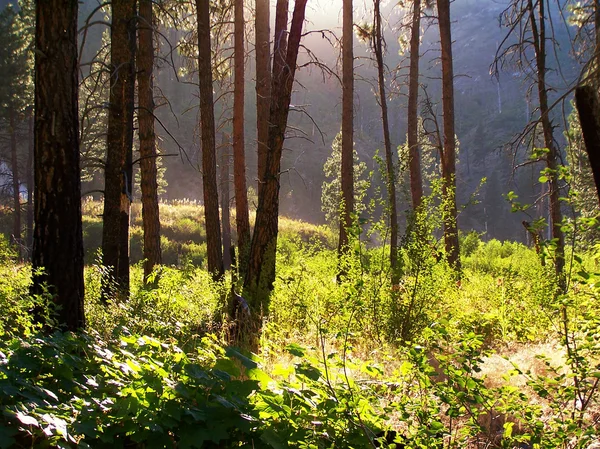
<point>596,78</point>
<point>225,212</point>
<point>242,219</point>
<point>16,185</point>
<point>30,189</point>
<point>449,150</point>
<point>347,168</point>
<point>148,171</point>
<point>263,84</point>
<point>118,170</point>
<point>416,183</point>
<point>389,161</point>
<point>552,162</point>
<point>261,268</point>
<point>207,126</point>
<point>57,260</point>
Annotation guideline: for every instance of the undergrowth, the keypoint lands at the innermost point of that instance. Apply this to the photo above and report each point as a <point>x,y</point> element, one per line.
<point>340,364</point>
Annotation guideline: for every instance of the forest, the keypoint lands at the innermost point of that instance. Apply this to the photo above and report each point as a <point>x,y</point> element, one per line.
<point>307,224</point>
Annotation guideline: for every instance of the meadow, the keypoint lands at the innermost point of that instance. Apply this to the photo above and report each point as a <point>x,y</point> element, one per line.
<point>497,358</point>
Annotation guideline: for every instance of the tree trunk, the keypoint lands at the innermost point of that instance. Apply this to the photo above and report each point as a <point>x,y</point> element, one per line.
<point>58,239</point>
<point>149,184</point>
<point>347,168</point>
<point>16,185</point>
<point>261,268</point>
<point>118,170</point>
<point>414,161</point>
<point>389,161</point>
<point>225,212</point>
<point>589,118</point>
<point>207,125</point>
<point>263,84</point>
<point>242,219</point>
<point>552,162</point>
<point>30,189</point>
<point>448,157</point>
<point>596,79</point>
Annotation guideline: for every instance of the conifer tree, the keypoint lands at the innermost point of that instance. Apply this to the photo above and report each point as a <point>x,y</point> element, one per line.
<point>118,171</point>
<point>57,259</point>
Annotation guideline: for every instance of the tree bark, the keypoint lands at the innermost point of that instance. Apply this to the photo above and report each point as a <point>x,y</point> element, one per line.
<point>596,78</point>
<point>414,161</point>
<point>448,157</point>
<point>225,212</point>
<point>16,185</point>
<point>552,162</point>
<point>57,259</point>
<point>589,119</point>
<point>30,189</point>
<point>263,84</point>
<point>389,161</point>
<point>261,268</point>
<point>242,219</point>
<point>118,170</point>
<point>207,126</point>
<point>347,168</point>
<point>148,171</point>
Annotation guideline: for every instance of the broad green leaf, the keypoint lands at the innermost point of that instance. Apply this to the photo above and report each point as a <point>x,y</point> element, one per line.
<point>295,349</point>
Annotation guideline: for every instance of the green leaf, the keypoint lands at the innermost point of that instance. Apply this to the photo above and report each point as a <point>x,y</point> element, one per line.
<point>245,359</point>
<point>272,439</point>
<point>308,370</point>
<point>295,349</point>
<point>228,366</point>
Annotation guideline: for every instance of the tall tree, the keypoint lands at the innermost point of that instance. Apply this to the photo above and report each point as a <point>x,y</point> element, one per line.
<point>347,166</point>
<point>207,125</point>
<point>16,185</point>
<point>448,156</point>
<point>261,268</point>
<point>377,44</point>
<point>30,186</point>
<point>118,169</point>
<point>414,160</point>
<point>148,155</point>
<point>239,159</point>
<point>526,21</point>
<point>57,259</point>
<point>538,34</point>
<point>262,47</point>
<point>225,210</point>
<point>15,101</point>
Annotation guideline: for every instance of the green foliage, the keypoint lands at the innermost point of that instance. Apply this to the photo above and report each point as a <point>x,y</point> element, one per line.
<point>340,361</point>
<point>16,86</point>
<point>94,90</point>
<point>331,195</point>
<point>185,303</point>
<point>583,188</point>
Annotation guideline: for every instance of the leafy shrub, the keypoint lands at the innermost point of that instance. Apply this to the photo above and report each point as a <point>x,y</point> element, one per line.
<point>468,243</point>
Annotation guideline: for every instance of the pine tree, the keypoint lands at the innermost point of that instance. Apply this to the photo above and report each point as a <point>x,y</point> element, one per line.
<point>15,100</point>
<point>448,156</point>
<point>57,260</point>
<point>118,172</point>
<point>347,166</point>
<point>261,268</point>
<point>148,153</point>
<point>207,125</point>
